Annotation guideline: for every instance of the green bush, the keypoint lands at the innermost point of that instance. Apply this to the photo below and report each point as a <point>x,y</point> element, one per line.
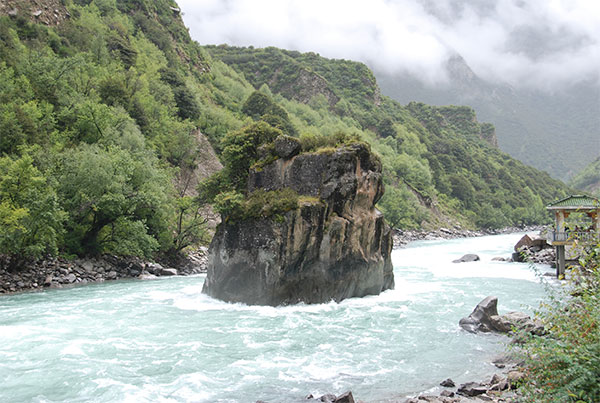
<point>312,142</point>
<point>230,205</point>
<point>233,206</point>
<point>240,150</point>
<point>263,203</point>
<point>564,365</point>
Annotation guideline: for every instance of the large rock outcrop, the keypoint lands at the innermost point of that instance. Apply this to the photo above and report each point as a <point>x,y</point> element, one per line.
<point>335,245</point>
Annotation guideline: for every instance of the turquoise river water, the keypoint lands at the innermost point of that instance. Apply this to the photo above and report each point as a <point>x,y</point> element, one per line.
<point>164,341</point>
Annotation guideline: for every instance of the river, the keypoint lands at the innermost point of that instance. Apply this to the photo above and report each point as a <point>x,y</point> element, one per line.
<point>163,341</point>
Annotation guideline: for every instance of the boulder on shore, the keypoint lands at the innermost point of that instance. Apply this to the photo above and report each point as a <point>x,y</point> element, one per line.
<point>331,398</point>
<point>531,241</point>
<point>534,248</point>
<point>472,389</point>
<point>447,383</point>
<point>485,318</point>
<point>479,320</point>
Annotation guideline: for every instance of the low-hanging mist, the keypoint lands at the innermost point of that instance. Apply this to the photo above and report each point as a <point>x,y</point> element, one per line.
<point>535,43</point>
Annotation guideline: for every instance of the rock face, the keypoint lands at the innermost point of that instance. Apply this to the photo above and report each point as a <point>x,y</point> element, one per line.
<point>335,245</point>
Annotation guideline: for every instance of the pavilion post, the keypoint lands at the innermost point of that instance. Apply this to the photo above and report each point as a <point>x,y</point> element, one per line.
<point>560,261</point>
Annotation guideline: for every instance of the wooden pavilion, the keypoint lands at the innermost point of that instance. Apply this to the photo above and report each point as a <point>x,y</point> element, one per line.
<point>563,235</point>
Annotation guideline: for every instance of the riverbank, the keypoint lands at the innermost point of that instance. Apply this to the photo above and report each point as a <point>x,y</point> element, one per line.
<point>500,388</point>
<point>404,237</point>
<point>60,272</point>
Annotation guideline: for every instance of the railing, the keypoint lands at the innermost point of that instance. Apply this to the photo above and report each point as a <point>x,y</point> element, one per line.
<point>570,236</point>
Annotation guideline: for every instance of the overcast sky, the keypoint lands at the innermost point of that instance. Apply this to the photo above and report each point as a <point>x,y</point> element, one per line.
<point>534,42</point>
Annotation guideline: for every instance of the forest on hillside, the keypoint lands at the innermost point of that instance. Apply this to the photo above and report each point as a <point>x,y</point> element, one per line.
<point>588,180</point>
<point>99,116</point>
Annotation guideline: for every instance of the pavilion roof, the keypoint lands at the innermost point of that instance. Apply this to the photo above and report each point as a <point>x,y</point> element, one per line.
<point>575,202</point>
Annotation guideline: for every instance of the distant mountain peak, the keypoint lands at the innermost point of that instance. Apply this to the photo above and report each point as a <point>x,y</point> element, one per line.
<point>459,70</point>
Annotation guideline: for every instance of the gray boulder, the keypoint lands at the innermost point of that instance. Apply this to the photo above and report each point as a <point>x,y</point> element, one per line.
<point>345,398</point>
<point>469,257</point>
<point>87,266</point>
<point>447,383</point>
<point>485,318</point>
<point>499,383</point>
<point>524,241</point>
<point>154,268</point>
<point>146,276</point>
<point>517,320</point>
<point>514,377</point>
<point>48,280</point>
<point>168,272</point>
<point>471,389</point>
<point>480,318</point>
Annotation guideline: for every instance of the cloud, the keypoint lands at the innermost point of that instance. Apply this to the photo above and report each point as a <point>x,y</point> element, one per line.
<point>530,42</point>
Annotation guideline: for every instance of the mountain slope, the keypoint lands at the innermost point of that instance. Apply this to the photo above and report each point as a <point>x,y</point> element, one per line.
<point>555,132</point>
<point>101,111</point>
<point>441,155</point>
<point>588,179</point>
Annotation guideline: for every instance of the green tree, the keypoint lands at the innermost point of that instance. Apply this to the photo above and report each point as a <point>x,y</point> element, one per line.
<point>117,201</point>
<point>30,216</point>
<point>187,105</point>
<point>189,224</point>
<point>261,106</point>
<point>257,104</point>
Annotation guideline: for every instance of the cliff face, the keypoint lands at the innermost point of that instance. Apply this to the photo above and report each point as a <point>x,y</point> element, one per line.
<point>335,245</point>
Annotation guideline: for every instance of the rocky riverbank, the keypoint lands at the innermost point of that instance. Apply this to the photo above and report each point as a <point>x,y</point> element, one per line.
<point>404,237</point>
<point>60,272</point>
<point>530,248</point>
<point>502,387</point>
